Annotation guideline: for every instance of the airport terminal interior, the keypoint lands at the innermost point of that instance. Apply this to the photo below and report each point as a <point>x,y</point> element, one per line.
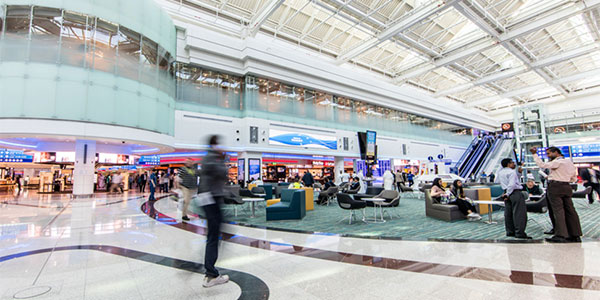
<point>300,149</point>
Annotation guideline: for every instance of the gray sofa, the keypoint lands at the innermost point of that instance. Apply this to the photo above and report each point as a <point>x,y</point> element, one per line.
<point>446,212</point>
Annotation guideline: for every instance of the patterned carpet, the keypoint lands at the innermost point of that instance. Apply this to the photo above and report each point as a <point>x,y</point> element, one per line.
<point>413,224</point>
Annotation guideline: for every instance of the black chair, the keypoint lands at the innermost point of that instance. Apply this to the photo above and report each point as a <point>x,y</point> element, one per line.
<point>346,201</point>
<point>328,195</point>
<point>246,193</point>
<point>371,192</point>
<point>537,205</point>
<point>353,191</point>
<point>232,197</point>
<point>583,194</point>
<point>392,199</point>
<point>343,187</point>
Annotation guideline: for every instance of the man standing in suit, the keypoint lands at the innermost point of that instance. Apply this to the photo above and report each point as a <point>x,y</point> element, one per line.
<point>590,178</point>
<point>562,172</point>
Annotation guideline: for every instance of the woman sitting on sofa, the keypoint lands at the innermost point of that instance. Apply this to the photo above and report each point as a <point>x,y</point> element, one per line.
<point>464,205</point>
<point>438,193</point>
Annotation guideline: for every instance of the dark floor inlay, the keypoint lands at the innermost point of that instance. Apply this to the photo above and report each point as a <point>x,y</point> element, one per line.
<point>487,274</point>
<point>252,287</point>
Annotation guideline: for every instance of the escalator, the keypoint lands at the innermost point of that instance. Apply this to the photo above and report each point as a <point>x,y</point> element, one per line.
<point>492,162</point>
<point>465,156</point>
<point>475,158</point>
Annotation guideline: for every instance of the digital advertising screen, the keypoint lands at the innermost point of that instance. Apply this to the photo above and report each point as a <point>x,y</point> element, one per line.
<point>371,142</point>
<point>65,157</point>
<point>122,159</point>
<point>241,169</point>
<point>298,139</point>
<point>253,168</point>
<point>45,157</point>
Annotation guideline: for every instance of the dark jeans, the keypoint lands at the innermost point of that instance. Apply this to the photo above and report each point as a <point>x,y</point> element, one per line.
<point>566,219</point>
<point>213,221</point>
<point>464,206</point>
<point>595,188</point>
<point>152,188</point>
<point>515,214</point>
<point>143,186</point>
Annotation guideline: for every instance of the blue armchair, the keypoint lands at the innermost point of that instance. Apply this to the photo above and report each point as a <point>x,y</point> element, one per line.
<point>292,206</point>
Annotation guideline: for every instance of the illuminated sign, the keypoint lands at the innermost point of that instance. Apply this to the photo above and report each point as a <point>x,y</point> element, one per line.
<point>585,150</point>
<point>307,140</point>
<point>371,142</point>
<point>506,127</point>
<point>253,168</point>
<point>149,160</point>
<point>14,156</point>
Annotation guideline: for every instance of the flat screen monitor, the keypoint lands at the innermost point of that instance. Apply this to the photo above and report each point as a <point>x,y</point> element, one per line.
<point>253,169</point>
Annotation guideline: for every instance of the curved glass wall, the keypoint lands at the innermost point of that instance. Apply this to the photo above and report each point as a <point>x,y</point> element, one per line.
<point>213,92</point>
<point>89,69</point>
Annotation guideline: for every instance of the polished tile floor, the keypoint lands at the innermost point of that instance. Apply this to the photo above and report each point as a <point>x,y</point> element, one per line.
<point>121,247</point>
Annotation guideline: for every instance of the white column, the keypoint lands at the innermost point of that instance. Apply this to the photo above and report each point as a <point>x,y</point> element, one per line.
<point>85,162</point>
<point>339,166</point>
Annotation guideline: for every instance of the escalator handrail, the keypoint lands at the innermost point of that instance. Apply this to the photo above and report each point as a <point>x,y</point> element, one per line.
<point>472,159</point>
<point>467,161</point>
<point>467,151</point>
<point>476,161</point>
<point>488,156</point>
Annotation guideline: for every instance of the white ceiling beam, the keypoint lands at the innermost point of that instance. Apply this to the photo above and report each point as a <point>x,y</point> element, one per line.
<point>544,62</point>
<point>503,38</point>
<point>413,17</point>
<point>261,16</point>
<point>457,55</point>
<point>533,88</point>
<point>513,93</point>
<point>572,10</point>
<point>487,79</point>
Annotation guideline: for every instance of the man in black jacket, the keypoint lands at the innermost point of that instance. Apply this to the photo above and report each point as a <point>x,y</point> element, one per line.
<point>308,179</point>
<point>213,177</point>
<point>591,177</point>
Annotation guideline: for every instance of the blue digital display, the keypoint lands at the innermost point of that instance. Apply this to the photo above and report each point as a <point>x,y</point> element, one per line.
<point>14,156</point>
<point>541,152</point>
<point>152,160</point>
<point>253,168</point>
<point>585,150</point>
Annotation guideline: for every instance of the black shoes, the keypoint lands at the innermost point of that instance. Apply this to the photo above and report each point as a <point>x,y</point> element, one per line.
<point>556,239</point>
<point>523,236</point>
<point>185,218</point>
<point>551,231</point>
<point>574,239</point>
<point>591,201</point>
<point>510,234</point>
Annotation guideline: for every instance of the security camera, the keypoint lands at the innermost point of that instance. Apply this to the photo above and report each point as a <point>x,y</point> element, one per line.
<point>123,142</point>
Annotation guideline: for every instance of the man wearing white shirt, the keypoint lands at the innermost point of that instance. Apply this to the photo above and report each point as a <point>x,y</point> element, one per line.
<point>515,212</point>
<point>567,227</point>
<point>345,176</point>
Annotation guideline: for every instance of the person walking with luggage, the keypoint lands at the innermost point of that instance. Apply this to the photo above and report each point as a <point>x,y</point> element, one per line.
<point>213,177</point>
<point>515,212</point>
<point>562,172</point>
<point>188,175</point>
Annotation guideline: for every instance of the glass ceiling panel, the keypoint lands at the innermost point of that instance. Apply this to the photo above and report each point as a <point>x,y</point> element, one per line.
<point>576,65</point>
<point>444,30</point>
<point>562,36</point>
<point>520,81</point>
<point>439,79</point>
<point>490,61</point>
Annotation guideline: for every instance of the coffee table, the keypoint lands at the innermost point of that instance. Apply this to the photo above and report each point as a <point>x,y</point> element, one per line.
<point>490,211</point>
<point>253,200</point>
<point>376,203</point>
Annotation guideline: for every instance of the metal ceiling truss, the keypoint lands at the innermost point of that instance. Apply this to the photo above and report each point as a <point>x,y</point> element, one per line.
<point>479,48</point>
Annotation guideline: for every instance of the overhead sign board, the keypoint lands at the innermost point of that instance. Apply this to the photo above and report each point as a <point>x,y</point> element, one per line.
<point>299,139</point>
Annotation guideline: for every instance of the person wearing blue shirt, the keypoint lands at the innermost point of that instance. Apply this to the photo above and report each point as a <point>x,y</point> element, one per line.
<point>515,212</point>
<point>152,185</point>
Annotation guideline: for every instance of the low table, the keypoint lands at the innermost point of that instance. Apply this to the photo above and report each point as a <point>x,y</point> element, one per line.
<point>253,200</point>
<point>376,202</point>
<point>490,211</point>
